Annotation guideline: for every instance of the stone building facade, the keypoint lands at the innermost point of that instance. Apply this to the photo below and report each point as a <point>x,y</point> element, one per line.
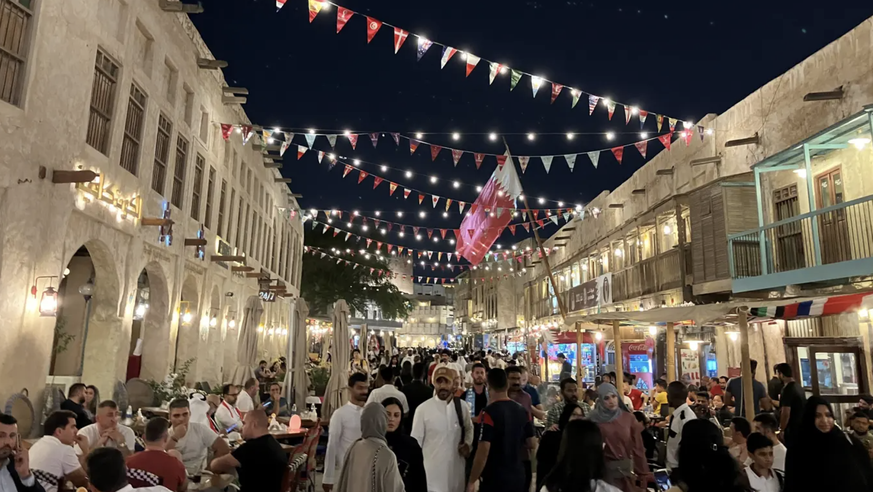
<point>114,86</point>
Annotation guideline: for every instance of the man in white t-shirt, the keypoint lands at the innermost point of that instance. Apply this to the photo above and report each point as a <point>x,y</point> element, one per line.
<point>677,396</point>
<point>246,401</point>
<point>107,432</point>
<point>192,439</point>
<point>388,390</point>
<point>766,425</point>
<point>53,459</point>
<point>227,415</point>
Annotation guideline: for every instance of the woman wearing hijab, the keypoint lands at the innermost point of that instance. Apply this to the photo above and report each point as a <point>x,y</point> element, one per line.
<point>705,463</point>
<point>410,460</point>
<point>822,456</point>
<point>369,465</point>
<point>580,466</point>
<point>626,465</point>
<point>550,443</point>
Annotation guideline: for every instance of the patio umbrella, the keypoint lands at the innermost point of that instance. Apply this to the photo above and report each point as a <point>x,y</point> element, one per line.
<point>299,378</point>
<point>389,346</point>
<point>335,395</point>
<point>247,352</point>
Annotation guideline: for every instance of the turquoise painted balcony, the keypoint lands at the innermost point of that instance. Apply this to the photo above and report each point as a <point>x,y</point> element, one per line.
<point>815,211</point>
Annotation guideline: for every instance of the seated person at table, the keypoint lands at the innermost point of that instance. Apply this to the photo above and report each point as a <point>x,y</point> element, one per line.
<point>107,432</point>
<point>227,415</point>
<point>52,459</point>
<point>108,473</point>
<point>166,465</point>
<point>276,404</point>
<point>75,403</point>
<point>246,401</point>
<point>192,439</point>
<point>260,461</point>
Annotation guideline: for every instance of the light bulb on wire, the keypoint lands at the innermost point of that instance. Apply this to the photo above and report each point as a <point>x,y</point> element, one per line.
<point>610,136</point>
<point>531,136</point>
<point>456,136</point>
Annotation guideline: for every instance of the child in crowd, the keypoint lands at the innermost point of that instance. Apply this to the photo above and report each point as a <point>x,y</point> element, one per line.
<point>760,473</point>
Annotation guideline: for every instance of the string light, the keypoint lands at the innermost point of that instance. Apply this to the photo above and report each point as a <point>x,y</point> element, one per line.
<point>378,213</point>
<point>419,135</point>
<point>492,136</point>
<point>422,214</point>
<point>610,136</point>
<point>433,179</point>
<point>456,136</point>
<point>347,133</point>
<point>456,184</point>
<point>570,136</point>
<point>356,162</point>
<point>409,174</point>
<point>478,189</point>
<point>644,135</point>
<point>399,213</point>
<point>384,168</point>
<point>531,136</point>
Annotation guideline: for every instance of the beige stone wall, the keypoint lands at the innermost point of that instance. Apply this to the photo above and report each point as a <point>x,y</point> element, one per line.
<point>42,225</point>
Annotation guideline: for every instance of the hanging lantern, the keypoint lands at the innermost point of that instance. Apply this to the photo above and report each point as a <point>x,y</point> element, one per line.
<point>48,303</point>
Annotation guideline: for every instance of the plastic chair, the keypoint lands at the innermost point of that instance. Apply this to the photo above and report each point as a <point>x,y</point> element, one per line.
<point>308,448</point>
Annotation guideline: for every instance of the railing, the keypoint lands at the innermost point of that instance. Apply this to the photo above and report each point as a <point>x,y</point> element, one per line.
<point>834,234</point>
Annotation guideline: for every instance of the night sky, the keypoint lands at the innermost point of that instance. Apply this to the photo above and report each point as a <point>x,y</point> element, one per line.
<point>682,59</point>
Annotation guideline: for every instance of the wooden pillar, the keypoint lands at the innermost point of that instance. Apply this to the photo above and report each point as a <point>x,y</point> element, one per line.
<point>579,374</point>
<point>619,368</point>
<point>748,398</point>
<point>670,356</point>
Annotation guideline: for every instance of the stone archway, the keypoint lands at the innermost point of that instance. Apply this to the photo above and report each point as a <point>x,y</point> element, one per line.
<point>154,322</point>
<point>188,337</point>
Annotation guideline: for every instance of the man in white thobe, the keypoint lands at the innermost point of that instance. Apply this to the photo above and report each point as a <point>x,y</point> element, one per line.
<point>344,430</point>
<point>438,429</point>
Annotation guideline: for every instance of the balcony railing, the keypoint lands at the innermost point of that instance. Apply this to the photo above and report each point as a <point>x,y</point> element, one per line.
<point>830,236</point>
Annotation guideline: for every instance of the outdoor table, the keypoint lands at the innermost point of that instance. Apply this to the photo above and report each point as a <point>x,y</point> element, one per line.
<point>284,434</point>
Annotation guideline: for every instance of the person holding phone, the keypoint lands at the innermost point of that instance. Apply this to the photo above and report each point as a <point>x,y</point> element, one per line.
<point>15,471</point>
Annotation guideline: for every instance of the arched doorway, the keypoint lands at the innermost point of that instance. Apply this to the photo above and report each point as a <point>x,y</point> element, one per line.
<point>188,335</point>
<point>88,329</point>
<point>151,323</point>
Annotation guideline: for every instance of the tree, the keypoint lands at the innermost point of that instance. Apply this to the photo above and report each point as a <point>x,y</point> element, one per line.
<point>325,282</point>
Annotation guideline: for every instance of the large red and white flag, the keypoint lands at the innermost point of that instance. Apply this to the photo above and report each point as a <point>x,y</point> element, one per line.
<point>481,228</point>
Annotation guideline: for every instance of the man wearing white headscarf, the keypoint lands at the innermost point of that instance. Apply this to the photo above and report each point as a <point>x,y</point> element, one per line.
<point>370,465</point>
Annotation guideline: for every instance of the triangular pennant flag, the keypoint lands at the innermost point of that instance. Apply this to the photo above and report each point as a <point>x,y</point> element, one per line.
<point>279,4</point>
<point>373,26</point>
<point>592,103</point>
<point>399,38</point>
<point>392,186</point>
<point>493,70</point>
<point>369,241</point>
<point>226,130</point>
<point>320,156</point>
<point>378,245</point>
<point>405,193</point>
<point>541,223</point>
<point>434,151</point>
<point>535,213</point>
<point>246,133</point>
<point>413,144</point>
<point>376,182</point>
<point>420,198</point>
<point>461,206</point>
<point>435,199</point>
<point>314,9</point>
<point>610,106</point>
<point>672,123</point>
<point>443,234</point>
<point>326,227</point>
<point>361,176</point>
<point>501,161</point>
<point>348,235</point>
<point>514,77</point>
<point>347,170</point>
<point>556,91</point>
<point>400,250</point>
<point>335,232</point>
<point>449,255</point>
<point>535,83</point>
<point>448,53</point>
<point>472,61</point>
<point>448,203</point>
<point>300,151</point>
<point>566,216</point>
<point>575,93</point>
<point>390,247</point>
<point>526,226</point>
<point>353,139</point>
<point>499,212</point>
<point>430,233</point>
<point>390,225</point>
<point>478,158</point>
<point>627,114</point>
<point>330,164</point>
<point>439,255</point>
<point>284,146</point>
<point>547,162</point>
<point>456,155</point>
<point>310,139</point>
<point>377,221</point>
<point>523,162</point>
<point>423,46</point>
<point>342,16</point>
<point>618,152</point>
<point>687,135</point>
<point>594,156</point>
<point>457,233</point>
<point>700,131</point>
<point>643,115</point>
<point>374,137</point>
<point>396,137</point>
<point>331,139</point>
<point>571,161</point>
<point>641,146</point>
<point>554,219</point>
<point>666,139</point>
<point>660,120</point>
<point>512,229</point>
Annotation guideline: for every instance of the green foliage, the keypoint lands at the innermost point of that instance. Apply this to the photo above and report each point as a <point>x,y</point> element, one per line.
<point>173,386</point>
<point>318,377</point>
<point>62,338</point>
<point>325,282</point>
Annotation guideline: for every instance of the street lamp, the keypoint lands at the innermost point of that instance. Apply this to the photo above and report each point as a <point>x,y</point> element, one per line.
<point>48,303</point>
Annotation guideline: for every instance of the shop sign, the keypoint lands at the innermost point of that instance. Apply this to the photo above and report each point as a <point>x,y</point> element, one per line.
<point>690,366</point>
<point>593,293</point>
<point>223,249</point>
<point>98,190</point>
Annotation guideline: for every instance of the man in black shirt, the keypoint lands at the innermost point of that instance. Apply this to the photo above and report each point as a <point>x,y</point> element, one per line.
<point>506,430</point>
<point>791,403</point>
<point>477,398</point>
<point>416,392</point>
<point>260,462</point>
<point>566,368</point>
<point>74,403</point>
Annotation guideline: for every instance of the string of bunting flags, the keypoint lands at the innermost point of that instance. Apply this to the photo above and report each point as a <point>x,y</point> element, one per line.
<point>269,136</point>
<point>471,61</point>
